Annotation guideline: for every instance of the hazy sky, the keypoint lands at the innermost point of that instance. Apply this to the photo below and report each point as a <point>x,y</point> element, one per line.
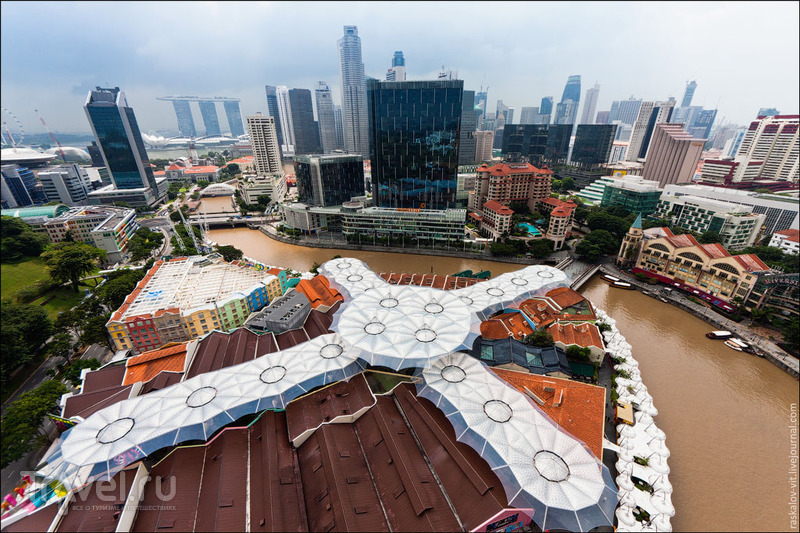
<point>744,55</point>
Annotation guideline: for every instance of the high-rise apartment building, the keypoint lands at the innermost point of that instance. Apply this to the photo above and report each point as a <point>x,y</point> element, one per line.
<point>306,131</point>
<point>68,184</point>
<point>414,135</point>
<point>398,70</point>
<point>593,144</point>
<point>510,182</point>
<point>329,180</point>
<point>689,93</point>
<point>469,124</point>
<point>567,109</point>
<point>274,110</point>
<point>650,114</point>
<point>484,139</point>
<point>590,104</point>
<point>354,97</point>
<point>287,125</point>
<point>264,139</point>
<point>337,121</point>
<point>114,126</point>
<point>673,155</point>
<point>326,117</point>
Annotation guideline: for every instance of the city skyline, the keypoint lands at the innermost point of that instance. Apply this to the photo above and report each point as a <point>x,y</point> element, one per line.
<point>177,61</point>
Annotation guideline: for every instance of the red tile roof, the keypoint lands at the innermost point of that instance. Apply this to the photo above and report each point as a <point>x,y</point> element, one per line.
<point>506,325</point>
<point>715,250</point>
<point>202,169</point>
<point>584,335</point>
<point>582,407</point>
<point>146,366</point>
<point>540,311</point>
<point>497,207</point>
<point>506,169</point>
<point>565,297</point>
<point>792,235</point>
<point>429,280</point>
<point>319,292</point>
<point>751,262</point>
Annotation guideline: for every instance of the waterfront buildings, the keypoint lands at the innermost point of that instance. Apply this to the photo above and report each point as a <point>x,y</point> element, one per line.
<point>187,297</point>
<point>107,228</point>
<point>673,155</point>
<point>510,183</point>
<point>305,129</point>
<point>561,218</point>
<point>706,268</point>
<point>781,211</point>
<point>398,70</point>
<point>252,186</point>
<point>274,111</point>
<point>593,143</point>
<point>496,219</point>
<point>329,180</point>
<point>736,225</point>
<point>650,114</point>
<point>264,139</point>
<point>407,225</point>
<point>787,240</point>
<point>414,160</point>
<point>590,104</point>
<point>114,126</point>
<point>68,184</point>
<point>354,93</point>
<point>630,192</point>
<point>326,117</point>
<point>631,244</point>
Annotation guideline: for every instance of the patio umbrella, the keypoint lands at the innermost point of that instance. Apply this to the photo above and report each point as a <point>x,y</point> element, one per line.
<point>625,517</point>
<point>658,447</point>
<point>624,481</point>
<point>661,523</point>
<point>662,503</point>
<point>540,465</point>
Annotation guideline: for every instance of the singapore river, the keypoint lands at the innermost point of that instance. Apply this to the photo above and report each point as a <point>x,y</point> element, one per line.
<point>726,414</point>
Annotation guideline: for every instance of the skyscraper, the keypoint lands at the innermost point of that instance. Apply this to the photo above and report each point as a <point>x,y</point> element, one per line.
<point>557,147</point>
<point>208,110</point>
<point>354,108</point>
<point>626,111</point>
<point>703,122</point>
<point>528,115</point>
<point>285,112</point>
<point>590,104</point>
<point>768,112</point>
<point>337,116</point>
<point>469,123</point>
<point>546,107</point>
<point>673,155</point>
<point>185,120</point>
<point>480,103</point>
<point>398,70</point>
<point>415,160</point>
<point>327,119</point>
<point>306,131</point>
<point>503,114</point>
<point>114,126</point>
<point>525,141</point>
<point>68,184</point>
<point>234,117</point>
<point>773,140</point>
<point>602,117</point>
<point>650,114</point>
<point>272,108</point>
<point>15,191</point>
<point>689,93</point>
<point>567,110</point>
<point>328,180</point>
<point>593,144</point>
<point>264,138</point>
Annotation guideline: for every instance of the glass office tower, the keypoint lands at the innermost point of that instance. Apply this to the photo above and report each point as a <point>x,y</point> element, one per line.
<point>329,180</point>
<point>525,142</point>
<point>114,125</point>
<point>593,144</point>
<point>414,129</point>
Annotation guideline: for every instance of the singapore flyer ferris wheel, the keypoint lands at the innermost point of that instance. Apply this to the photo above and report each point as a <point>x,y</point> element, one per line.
<point>12,132</point>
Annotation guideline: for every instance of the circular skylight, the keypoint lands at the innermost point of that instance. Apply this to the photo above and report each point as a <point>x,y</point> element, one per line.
<point>201,397</point>
<point>331,351</point>
<point>425,334</point>
<point>545,274</point>
<point>495,291</point>
<point>344,264</point>
<point>355,277</point>
<point>550,466</point>
<point>115,430</point>
<point>389,303</point>
<point>498,410</point>
<point>434,308</point>
<point>453,374</point>
<point>273,374</point>
<point>375,327</point>
<point>519,281</point>
<point>466,299</point>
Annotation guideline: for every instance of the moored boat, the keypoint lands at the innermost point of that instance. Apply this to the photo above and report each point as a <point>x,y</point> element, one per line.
<point>737,344</point>
<point>623,285</point>
<point>719,335</point>
<point>609,279</point>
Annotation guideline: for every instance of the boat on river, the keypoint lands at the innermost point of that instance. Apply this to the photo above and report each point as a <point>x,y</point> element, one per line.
<point>623,285</point>
<point>737,344</point>
<point>719,335</point>
<point>609,279</point>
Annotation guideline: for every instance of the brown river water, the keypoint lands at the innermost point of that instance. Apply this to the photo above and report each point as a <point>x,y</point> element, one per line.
<point>726,414</point>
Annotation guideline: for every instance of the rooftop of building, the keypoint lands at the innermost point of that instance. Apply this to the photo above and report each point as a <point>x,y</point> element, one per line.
<point>204,169</point>
<point>505,325</point>
<point>507,169</point>
<point>435,281</point>
<point>497,207</point>
<point>791,235</point>
<point>49,211</point>
<point>319,292</point>
<point>749,262</point>
<point>187,283</point>
<point>148,365</point>
<point>585,335</point>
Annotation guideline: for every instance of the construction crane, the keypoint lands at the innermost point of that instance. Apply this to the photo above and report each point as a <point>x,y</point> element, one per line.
<point>53,137</point>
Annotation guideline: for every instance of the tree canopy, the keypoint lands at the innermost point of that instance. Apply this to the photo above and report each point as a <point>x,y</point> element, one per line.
<point>230,253</point>
<point>539,339</point>
<point>596,244</point>
<point>24,328</point>
<point>143,242</point>
<point>68,261</point>
<point>709,237</point>
<point>17,240</point>
<point>23,417</point>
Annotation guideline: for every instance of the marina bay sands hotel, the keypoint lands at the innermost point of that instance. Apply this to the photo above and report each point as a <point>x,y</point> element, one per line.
<point>208,110</point>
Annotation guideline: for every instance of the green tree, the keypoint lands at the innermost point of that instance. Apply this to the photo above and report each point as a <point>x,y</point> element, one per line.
<point>203,183</point>
<point>118,286</point>
<point>94,330</point>
<point>143,242</point>
<point>655,223</point>
<point>579,353</point>
<point>60,345</point>
<point>232,169</point>
<point>519,208</point>
<point>581,214</point>
<point>540,338</point>
<point>263,200</point>
<point>24,328</point>
<point>791,332</point>
<point>23,417</point>
<point>567,184</point>
<point>68,261</point>
<point>541,248</point>
<point>709,237</point>
<point>555,185</point>
<point>74,369</point>
<point>616,225</point>
<point>17,239</point>
<point>230,253</point>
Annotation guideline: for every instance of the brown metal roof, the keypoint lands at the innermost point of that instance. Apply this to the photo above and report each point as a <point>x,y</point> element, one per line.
<point>220,350</point>
<point>222,503</point>
<point>342,399</point>
<point>35,522</point>
<point>276,493</point>
<point>97,507</point>
<point>472,487</point>
<point>110,376</point>
<point>88,403</point>
<point>161,381</point>
<point>411,496</point>
<point>287,339</point>
<point>338,491</point>
<point>184,469</point>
